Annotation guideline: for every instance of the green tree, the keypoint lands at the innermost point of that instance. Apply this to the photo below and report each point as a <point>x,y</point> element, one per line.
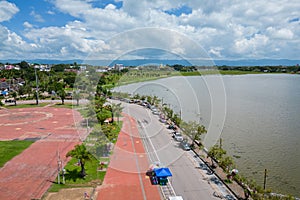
<point>14,95</point>
<point>176,119</point>
<point>62,94</point>
<point>136,96</point>
<point>60,91</point>
<point>96,142</point>
<point>103,115</point>
<point>194,130</point>
<point>80,152</point>
<point>155,100</point>
<point>76,96</point>
<point>99,103</point>
<point>168,112</point>
<point>226,163</point>
<point>116,110</point>
<point>24,65</point>
<point>216,152</point>
<point>149,99</point>
<point>1,104</point>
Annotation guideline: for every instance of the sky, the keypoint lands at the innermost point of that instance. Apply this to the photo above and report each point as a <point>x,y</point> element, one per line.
<point>110,29</point>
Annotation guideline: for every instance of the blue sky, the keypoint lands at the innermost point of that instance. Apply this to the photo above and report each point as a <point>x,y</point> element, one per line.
<point>86,29</point>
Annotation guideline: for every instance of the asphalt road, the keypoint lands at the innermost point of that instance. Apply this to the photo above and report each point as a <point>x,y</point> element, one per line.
<point>188,180</point>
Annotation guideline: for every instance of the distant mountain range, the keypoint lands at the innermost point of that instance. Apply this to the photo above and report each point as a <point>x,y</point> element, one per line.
<point>138,62</point>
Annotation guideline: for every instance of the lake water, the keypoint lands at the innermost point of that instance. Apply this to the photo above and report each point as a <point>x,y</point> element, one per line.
<point>258,117</point>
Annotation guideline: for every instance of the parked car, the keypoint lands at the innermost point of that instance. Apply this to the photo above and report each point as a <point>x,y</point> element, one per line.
<point>153,108</point>
<point>145,104</point>
<point>177,136</point>
<point>185,146</point>
<point>155,112</point>
<point>229,197</point>
<point>162,120</point>
<point>171,126</point>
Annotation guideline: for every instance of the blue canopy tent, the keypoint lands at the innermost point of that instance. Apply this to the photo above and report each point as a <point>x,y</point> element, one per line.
<point>162,172</point>
<point>161,175</point>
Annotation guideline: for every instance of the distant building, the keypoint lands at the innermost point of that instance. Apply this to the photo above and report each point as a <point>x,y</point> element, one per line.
<point>71,70</point>
<point>82,67</point>
<point>119,67</point>
<point>9,67</point>
<point>101,70</point>
<point>43,68</point>
<point>4,85</point>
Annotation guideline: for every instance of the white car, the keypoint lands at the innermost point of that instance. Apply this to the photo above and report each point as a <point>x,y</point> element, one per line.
<point>177,136</point>
<point>176,198</point>
<point>155,113</point>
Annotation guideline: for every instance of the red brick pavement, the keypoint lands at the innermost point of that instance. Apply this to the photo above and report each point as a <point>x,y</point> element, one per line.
<point>29,175</point>
<point>125,177</point>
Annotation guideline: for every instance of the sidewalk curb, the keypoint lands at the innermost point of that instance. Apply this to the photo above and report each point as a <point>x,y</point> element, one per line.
<point>235,195</point>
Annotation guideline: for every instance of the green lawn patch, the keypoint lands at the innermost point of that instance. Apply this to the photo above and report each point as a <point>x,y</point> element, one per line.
<point>9,149</point>
<point>12,106</point>
<point>65,105</point>
<point>73,178</point>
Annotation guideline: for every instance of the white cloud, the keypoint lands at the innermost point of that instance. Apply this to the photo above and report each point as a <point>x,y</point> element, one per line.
<point>216,52</point>
<point>110,7</point>
<point>27,25</point>
<point>251,47</point>
<point>37,17</point>
<point>50,12</point>
<point>7,10</point>
<point>282,33</point>
<point>73,7</point>
<point>12,45</point>
<point>227,29</point>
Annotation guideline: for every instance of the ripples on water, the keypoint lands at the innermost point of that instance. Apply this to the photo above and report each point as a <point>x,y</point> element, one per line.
<point>261,129</point>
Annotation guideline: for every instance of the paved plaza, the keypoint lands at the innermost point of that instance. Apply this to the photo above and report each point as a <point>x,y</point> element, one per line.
<point>55,130</point>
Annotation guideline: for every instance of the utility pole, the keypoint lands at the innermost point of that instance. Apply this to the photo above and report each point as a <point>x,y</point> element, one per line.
<point>220,143</point>
<point>180,113</point>
<point>58,167</point>
<point>265,179</point>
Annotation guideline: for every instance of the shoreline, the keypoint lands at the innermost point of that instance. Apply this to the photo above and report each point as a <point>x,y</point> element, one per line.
<point>200,73</point>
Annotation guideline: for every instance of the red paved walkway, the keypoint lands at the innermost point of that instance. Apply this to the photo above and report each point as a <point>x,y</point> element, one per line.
<point>125,177</point>
<point>29,175</point>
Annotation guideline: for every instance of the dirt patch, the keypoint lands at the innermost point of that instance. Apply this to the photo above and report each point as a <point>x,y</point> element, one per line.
<point>70,194</point>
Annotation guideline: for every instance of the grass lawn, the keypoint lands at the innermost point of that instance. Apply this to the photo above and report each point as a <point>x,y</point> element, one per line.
<point>66,105</point>
<point>12,106</point>
<point>9,149</point>
<point>72,176</point>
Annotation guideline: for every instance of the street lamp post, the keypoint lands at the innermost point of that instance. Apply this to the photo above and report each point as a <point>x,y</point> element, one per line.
<point>63,175</point>
<point>58,169</point>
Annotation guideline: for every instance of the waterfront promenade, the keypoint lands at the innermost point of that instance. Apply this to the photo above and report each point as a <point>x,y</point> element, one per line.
<point>126,175</point>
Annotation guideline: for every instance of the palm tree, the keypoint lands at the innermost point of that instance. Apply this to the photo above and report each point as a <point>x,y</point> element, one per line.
<point>76,96</point>
<point>80,153</point>
<point>14,95</point>
<point>116,110</point>
<point>155,100</point>
<point>62,94</point>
